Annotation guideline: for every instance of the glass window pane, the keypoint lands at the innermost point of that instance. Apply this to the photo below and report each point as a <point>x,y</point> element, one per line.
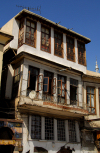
<point>32,31</point>
<point>55,35</point>
<point>63,93</point>
<point>88,100</point>
<point>27,29</point>
<point>92,100</point>
<point>45,80</point>
<point>59,91</point>
<point>47,31</point>
<point>59,83</point>
<point>92,90</point>
<point>63,85</point>
<point>43,35</point>
<point>32,25</point>
<point>45,88</point>
<point>88,90</point>
<point>43,29</point>
<point>59,36</point>
<point>28,23</point>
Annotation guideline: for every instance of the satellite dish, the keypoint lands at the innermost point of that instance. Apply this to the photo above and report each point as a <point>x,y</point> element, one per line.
<point>32,94</point>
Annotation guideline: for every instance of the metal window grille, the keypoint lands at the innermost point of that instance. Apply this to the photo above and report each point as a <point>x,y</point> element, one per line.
<point>72,131</point>
<point>61,130</point>
<point>49,128</point>
<point>36,127</point>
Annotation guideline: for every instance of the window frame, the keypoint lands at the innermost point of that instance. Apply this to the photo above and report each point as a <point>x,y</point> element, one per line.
<point>38,82</point>
<point>29,73</point>
<point>73,85</point>
<point>67,37</point>
<point>61,34</point>
<point>36,127</point>
<point>62,133</point>
<point>49,129</point>
<point>90,98</point>
<point>84,53</point>
<point>31,21</point>
<point>72,130</point>
<point>45,27</point>
<point>60,95</point>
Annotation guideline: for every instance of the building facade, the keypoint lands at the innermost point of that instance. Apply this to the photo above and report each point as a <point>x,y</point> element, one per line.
<point>49,86</point>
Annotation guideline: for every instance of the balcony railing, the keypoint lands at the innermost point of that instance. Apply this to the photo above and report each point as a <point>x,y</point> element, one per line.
<point>38,96</point>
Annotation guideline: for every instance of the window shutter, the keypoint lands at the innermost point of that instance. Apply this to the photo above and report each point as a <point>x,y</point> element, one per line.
<point>28,79</point>
<point>40,83</point>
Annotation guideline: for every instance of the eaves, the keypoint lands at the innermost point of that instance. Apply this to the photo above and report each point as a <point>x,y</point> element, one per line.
<point>25,13</point>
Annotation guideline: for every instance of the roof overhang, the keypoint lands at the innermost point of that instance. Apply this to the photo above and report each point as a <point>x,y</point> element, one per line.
<point>5,38</point>
<point>25,13</point>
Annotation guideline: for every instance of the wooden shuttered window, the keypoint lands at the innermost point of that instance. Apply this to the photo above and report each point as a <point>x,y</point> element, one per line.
<point>58,50</point>
<point>61,88</point>
<point>30,36</point>
<point>40,83</point>
<point>70,49</point>
<point>46,85</point>
<point>91,99</point>
<point>45,39</point>
<point>49,83</point>
<point>81,54</point>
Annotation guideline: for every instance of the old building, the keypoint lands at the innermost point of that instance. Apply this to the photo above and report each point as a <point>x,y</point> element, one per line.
<point>48,85</point>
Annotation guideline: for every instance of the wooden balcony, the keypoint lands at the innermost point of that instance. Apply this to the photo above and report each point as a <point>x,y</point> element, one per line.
<point>47,104</point>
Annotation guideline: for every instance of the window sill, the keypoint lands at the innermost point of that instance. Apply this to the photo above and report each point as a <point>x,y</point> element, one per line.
<point>54,141</point>
<point>71,60</point>
<point>46,51</point>
<point>58,56</point>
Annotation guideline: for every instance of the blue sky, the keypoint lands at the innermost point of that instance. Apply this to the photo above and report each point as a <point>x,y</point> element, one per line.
<point>81,15</point>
